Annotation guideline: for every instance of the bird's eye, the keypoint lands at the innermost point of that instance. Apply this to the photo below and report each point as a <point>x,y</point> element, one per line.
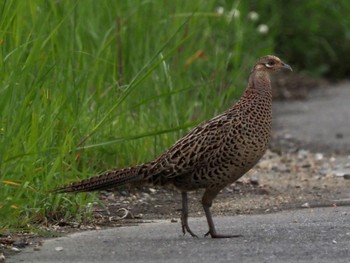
<point>270,64</point>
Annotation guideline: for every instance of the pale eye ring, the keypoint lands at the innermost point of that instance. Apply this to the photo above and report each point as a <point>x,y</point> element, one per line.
<point>270,64</point>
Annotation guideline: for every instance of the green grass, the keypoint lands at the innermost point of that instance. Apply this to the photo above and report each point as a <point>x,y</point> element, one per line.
<point>86,87</point>
<point>313,35</point>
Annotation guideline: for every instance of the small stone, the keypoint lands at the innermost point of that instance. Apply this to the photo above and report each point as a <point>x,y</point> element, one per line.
<point>263,190</point>
<point>334,241</point>
<point>339,135</point>
<point>283,168</point>
<point>110,197</point>
<point>146,196</point>
<point>124,192</point>
<point>306,165</point>
<point>139,216</point>
<point>265,164</point>
<point>254,180</point>
<point>323,171</point>
<point>341,173</point>
<point>2,258</point>
<point>302,154</point>
<point>15,249</point>
<point>228,190</point>
<point>305,205</point>
<point>59,248</point>
<point>287,136</point>
<point>152,190</point>
<point>318,156</point>
<point>20,243</point>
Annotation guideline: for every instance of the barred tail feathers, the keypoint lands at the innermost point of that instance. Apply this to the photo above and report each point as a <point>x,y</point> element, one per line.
<point>106,180</point>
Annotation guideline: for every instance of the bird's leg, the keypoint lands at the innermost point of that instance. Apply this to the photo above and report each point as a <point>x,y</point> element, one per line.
<point>207,201</point>
<point>184,215</point>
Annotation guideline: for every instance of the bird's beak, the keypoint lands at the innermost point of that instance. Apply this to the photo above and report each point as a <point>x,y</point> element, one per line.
<point>286,66</point>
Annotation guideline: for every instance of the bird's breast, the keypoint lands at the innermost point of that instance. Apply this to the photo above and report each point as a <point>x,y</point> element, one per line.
<point>249,138</point>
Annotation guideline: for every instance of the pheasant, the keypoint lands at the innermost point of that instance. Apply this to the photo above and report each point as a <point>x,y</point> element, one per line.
<point>212,155</point>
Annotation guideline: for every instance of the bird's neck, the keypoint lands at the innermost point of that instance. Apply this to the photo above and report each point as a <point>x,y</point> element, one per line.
<point>259,81</point>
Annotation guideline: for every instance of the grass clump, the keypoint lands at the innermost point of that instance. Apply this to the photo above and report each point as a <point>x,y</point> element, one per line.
<point>86,87</point>
<point>313,35</point>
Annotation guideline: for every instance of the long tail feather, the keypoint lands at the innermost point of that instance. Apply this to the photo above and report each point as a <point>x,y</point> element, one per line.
<point>107,180</point>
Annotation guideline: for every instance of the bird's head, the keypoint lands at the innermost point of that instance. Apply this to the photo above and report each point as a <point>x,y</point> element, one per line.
<point>270,63</point>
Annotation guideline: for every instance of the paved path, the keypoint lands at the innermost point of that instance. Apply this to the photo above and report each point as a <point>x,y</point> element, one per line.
<point>321,123</point>
<point>308,235</point>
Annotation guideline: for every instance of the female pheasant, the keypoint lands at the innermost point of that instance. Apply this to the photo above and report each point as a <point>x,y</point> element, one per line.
<point>212,155</point>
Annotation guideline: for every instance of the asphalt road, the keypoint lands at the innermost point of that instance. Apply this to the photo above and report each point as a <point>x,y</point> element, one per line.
<point>307,235</point>
<point>321,123</point>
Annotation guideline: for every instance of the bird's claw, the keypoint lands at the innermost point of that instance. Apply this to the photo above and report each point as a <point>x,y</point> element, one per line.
<point>186,228</point>
<point>216,235</point>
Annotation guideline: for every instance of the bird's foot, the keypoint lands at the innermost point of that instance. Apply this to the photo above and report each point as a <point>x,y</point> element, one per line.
<point>213,234</point>
<point>186,228</point>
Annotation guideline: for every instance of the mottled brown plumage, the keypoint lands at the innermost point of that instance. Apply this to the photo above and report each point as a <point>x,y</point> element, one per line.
<point>212,155</point>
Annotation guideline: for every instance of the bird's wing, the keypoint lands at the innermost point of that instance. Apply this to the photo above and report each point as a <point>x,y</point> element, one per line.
<point>196,148</point>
